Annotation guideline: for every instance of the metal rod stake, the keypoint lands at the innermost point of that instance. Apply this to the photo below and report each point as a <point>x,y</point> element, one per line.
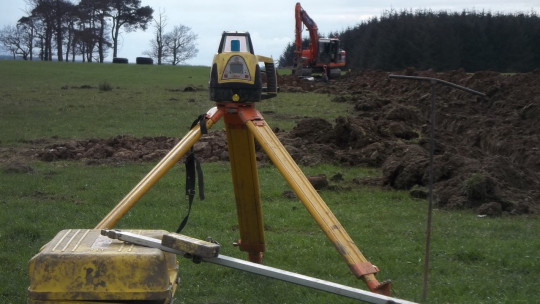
<point>433,82</point>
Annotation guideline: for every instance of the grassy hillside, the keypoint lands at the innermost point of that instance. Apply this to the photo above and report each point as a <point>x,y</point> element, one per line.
<point>67,100</point>
<point>474,260</point>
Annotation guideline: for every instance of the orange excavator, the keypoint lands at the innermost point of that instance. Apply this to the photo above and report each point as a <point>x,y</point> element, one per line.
<point>323,55</point>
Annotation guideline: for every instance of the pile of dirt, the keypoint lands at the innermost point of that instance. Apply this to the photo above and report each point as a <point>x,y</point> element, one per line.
<point>126,148</point>
<point>486,156</point>
<point>486,148</point>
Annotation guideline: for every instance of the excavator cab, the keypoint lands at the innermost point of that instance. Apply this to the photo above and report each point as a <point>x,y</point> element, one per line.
<point>330,57</point>
<point>329,51</point>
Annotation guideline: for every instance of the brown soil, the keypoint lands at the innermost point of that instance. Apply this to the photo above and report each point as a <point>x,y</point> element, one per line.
<point>487,154</point>
<point>486,157</point>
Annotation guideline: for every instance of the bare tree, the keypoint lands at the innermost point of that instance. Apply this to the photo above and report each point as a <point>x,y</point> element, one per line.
<point>8,38</point>
<point>14,40</point>
<point>180,44</point>
<point>157,45</point>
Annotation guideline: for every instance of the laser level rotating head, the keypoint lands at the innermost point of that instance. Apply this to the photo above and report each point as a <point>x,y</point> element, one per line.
<point>235,75</point>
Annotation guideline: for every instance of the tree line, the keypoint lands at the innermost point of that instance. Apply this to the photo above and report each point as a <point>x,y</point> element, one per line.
<point>175,46</point>
<point>62,30</point>
<point>424,39</point>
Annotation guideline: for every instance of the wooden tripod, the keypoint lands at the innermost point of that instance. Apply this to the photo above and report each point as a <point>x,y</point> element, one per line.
<point>244,124</point>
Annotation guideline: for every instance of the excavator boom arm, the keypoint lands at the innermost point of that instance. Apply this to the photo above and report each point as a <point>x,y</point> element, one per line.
<point>302,17</point>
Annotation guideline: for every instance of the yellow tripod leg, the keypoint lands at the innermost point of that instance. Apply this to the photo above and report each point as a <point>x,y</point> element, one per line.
<point>157,172</point>
<point>246,190</point>
<point>318,209</point>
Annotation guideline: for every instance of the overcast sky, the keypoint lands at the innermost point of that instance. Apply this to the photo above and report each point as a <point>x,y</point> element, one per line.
<point>271,23</point>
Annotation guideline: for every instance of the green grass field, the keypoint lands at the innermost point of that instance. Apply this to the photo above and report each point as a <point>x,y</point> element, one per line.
<point>473,260</point>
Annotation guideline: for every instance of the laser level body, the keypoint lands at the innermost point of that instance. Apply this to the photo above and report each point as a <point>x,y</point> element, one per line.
<point>235,75</point>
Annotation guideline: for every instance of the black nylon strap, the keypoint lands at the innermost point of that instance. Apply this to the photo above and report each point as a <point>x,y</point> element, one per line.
<point>193,169</point>
<point>201,120</point>
<point>201,178</point>
<point>190,187</point>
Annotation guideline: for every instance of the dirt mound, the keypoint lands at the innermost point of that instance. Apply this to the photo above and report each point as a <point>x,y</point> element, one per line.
<point>486,149</point>
<point>486,156</point>
<point>211,147</point>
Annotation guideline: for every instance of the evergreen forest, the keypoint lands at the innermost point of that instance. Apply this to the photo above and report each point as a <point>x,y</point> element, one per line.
<point>441,41</point>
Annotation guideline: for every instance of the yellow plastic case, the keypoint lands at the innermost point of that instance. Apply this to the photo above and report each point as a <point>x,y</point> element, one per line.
<point>82,265</point>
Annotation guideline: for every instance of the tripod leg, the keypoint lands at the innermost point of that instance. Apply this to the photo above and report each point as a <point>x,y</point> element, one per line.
<point>156,173</point>
<point>318,209</point>
<point>246,190</point>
